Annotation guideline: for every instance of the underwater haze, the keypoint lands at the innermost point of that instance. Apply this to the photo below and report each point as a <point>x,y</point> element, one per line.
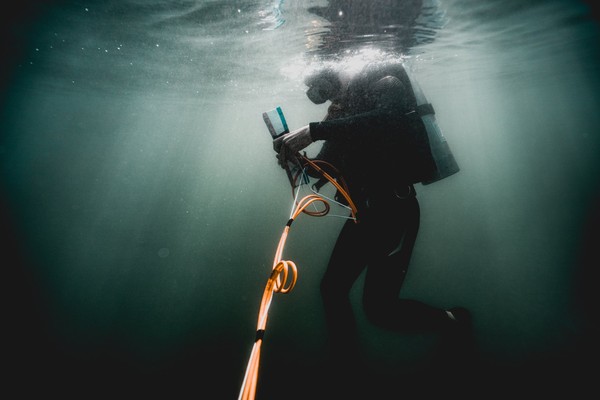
<point>142,203</point>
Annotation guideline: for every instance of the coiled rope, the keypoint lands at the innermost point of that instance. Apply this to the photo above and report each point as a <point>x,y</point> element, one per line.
<point>284,273</point>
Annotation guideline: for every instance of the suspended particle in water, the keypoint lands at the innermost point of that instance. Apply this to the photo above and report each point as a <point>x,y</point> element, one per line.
<point>163,252</point>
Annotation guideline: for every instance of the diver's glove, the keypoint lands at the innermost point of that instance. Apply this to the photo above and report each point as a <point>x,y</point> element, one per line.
<point>288,145</point>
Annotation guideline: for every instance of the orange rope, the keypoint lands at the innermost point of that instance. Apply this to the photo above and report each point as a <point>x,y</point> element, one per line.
<point>284,273</point>
<point>279,281</point>
<point>342,188</point>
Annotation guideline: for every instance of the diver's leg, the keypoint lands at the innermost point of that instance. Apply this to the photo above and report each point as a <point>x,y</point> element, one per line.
<point>386,274</point>
<point>345,265</point>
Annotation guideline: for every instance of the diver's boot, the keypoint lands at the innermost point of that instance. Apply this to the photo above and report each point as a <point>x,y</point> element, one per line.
<point>459,338</point>
<point>462,318</point>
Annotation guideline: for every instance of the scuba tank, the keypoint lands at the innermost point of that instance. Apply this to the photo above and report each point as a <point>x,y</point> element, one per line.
<point>444,158</point>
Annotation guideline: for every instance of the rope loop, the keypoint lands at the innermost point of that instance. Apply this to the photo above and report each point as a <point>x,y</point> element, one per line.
<point>284,267</point>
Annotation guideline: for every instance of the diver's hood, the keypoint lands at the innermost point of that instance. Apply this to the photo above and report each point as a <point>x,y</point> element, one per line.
<point>321,90</point>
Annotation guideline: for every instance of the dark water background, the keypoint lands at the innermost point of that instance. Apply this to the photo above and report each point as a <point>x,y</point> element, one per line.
<point>141,202</point>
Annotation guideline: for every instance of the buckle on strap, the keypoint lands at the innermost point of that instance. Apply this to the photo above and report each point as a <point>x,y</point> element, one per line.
<point>425,109</point>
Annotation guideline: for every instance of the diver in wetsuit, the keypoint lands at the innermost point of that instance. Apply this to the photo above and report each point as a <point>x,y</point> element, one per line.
<point>376,139</point>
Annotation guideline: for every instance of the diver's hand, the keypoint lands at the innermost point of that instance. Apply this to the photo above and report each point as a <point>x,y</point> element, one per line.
<point>288,145</point>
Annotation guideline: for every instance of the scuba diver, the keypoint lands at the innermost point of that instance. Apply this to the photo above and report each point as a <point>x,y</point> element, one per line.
<point>374,136</point>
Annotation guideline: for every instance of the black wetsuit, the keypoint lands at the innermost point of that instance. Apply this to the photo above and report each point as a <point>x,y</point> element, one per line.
<point>380,149</point>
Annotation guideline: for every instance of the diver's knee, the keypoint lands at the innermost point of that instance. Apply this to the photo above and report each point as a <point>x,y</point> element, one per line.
<point>328,289</point>
<point>332,291</point>
<point>374,310</point>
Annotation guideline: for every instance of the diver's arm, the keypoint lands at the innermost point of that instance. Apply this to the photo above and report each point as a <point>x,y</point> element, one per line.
<point>287,146</point>
<point>355,127</point>
<point>338,128</point>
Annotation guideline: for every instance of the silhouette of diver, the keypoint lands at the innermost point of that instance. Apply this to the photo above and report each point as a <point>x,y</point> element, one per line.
<point>374,136</point>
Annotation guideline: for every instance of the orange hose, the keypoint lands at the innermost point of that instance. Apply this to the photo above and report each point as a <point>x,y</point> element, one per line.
<point>278,282</point>
<point>340,187</point>
<point>283,279</point>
